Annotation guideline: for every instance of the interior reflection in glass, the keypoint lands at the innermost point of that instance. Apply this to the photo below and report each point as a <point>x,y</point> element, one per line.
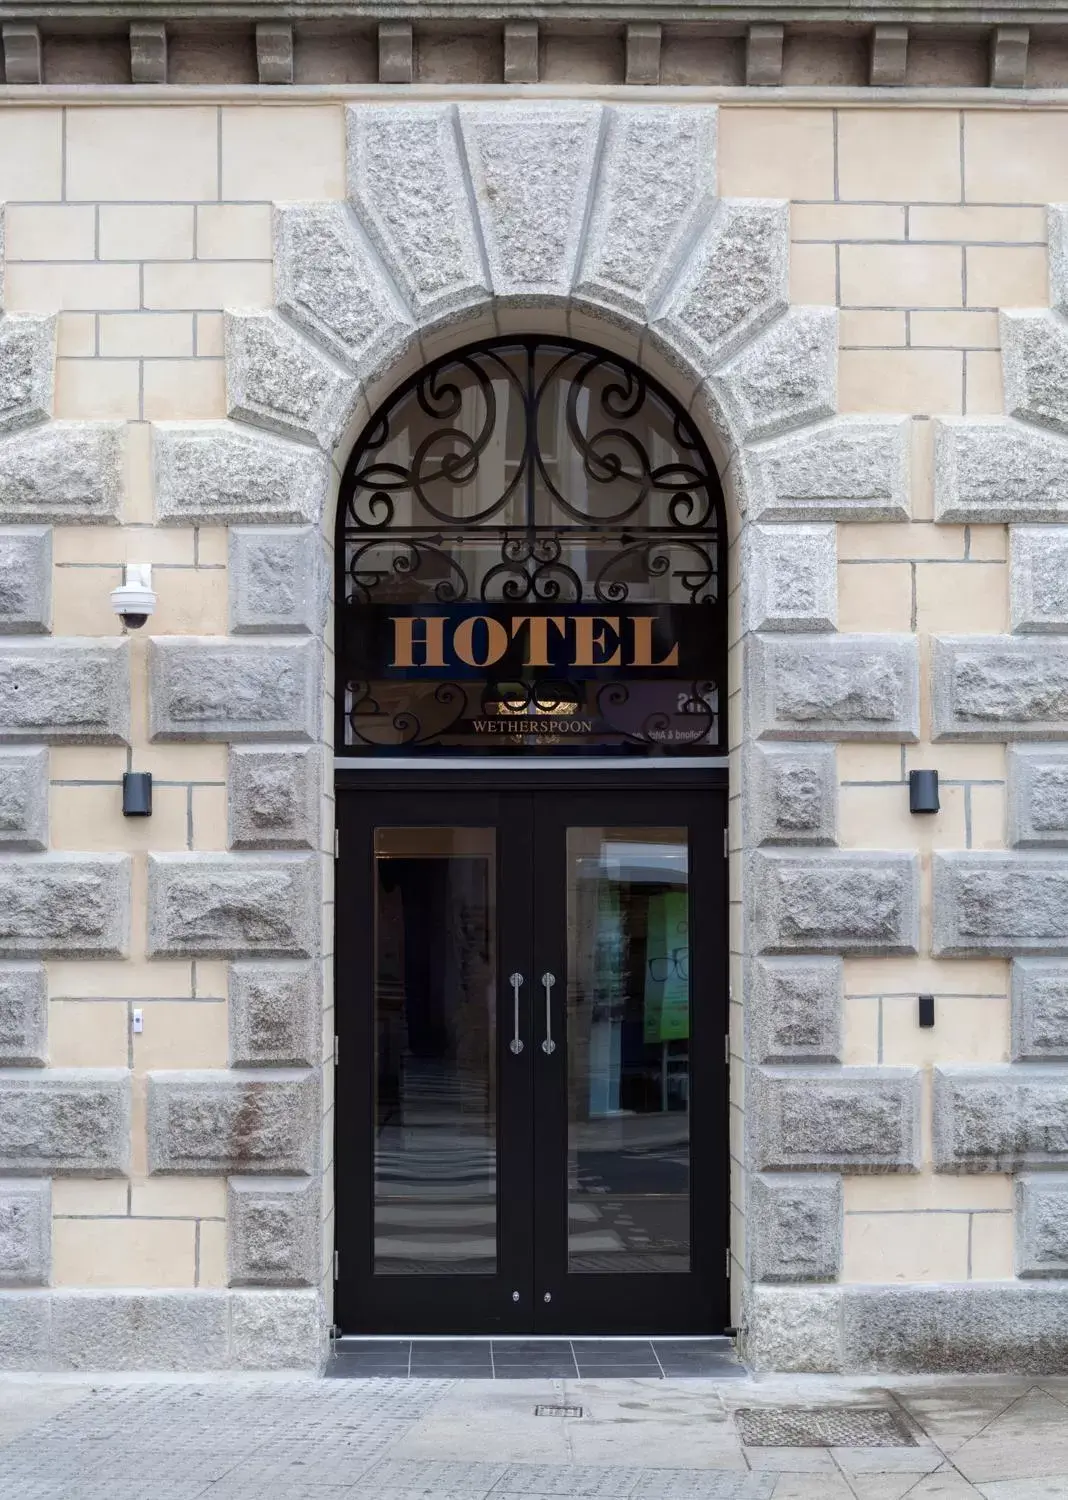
<point>628,1029</point>
<point>435,1080</point>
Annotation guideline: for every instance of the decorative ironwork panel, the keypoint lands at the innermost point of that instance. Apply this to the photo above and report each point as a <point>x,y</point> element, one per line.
<point>529,557</point>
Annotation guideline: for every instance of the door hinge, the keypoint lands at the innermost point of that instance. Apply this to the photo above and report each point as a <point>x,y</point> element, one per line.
<point>726,843</point>
<point>728,1263</point>
<point>335,1049</point>
<point>727,1049</point>
<point>335,1264</point>
<point>336,842</point>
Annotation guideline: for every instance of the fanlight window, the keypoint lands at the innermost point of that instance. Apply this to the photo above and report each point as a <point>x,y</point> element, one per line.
<point>529,559</point>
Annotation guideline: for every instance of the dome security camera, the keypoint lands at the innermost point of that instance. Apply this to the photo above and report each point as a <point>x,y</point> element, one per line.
<point>134,600</point>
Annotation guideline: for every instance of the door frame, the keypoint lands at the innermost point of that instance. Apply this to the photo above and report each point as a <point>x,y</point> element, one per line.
<point>710,1187</point>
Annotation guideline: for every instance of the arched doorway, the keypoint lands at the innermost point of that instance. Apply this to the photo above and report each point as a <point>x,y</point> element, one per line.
<point>532,943</point>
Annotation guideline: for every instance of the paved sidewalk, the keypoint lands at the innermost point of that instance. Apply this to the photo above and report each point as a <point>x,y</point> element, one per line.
<point>260,1438</point>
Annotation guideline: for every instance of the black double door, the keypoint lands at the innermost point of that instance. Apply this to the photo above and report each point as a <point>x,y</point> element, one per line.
<point>531,1111</point>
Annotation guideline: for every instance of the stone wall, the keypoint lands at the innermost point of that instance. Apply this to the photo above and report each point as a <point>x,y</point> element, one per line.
<point>237,287</point>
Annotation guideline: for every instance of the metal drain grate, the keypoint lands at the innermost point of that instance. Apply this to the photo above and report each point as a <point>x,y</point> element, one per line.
<point>822,1427</point>
<point>559,1411</point>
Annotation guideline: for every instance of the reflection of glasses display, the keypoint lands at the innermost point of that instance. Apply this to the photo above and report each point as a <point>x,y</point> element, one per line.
<point>676,963</point>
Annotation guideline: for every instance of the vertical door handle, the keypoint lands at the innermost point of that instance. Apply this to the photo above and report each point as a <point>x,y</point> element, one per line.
<point>516,1044</point>
<point>548,1046</point>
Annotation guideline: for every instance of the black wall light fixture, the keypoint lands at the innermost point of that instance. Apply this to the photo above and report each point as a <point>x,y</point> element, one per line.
<point>923,791</point>
<point>926,1009</point>
<point>137,794</point>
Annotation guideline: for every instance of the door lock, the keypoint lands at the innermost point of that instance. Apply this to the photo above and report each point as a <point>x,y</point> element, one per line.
<point>515,1296</point>
<point>546,1296</point>
<point>548,1046</point>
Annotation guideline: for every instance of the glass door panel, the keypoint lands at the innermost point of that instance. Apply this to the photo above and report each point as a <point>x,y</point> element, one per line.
<point>628,1041</point>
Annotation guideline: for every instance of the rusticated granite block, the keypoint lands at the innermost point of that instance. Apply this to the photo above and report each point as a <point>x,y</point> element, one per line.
<point>68,472</point>
<point>990,469</point>
<point>1042,1224</point>
<point>27,369</point>
<point>277,1330</point>
<point>855,1119</point>
<point>826,687</point>
<point>833,902</point>
<point>792,1328</point>
<point>61,1121</point>
<point>273,1231</point>
<point>230,905</point>
<point>25,1318</point>
<point>207,688</point>
<point>23,1015</point>
<point>1038,796</point>
<point>999,687</point>
<point>26,580</point>
<point>278,580</point>
<point>277,379</point>
<point>221,473</point>
<point>275,1015</point>
<point>233,1122</point>
<point>23,799</point>
<point>848,469</point>
<point>65,692</point>
<point>790,578</point>
<point>1034,360</point>
<point>1039,1010</point>
<point>999,904</point>
<point>274,797</point>
<point>25,1231</point>
<point>794,1010</point>
<point>1038,579</point>
<point>1057,235</point>
<point>1000,1119</point>
<point>157,1330</point>
<point>786,378</point>
<point>791,794</point>
<point>64,905</point>
<point>793,1226</point>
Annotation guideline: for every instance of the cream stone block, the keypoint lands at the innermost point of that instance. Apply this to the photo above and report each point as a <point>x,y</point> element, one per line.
<point>901,275</point>
<point>191,602</point>
<point>138,1126</point>
<point>1007,276</point>
<point>139,500</point>
<point>878,817</point>
<point>210,334</point>
<point>76,335</point>
<point>983,391</point>
<point>961,597</point>
<point>989,820</point>
<point>167,154</point>
<point>80,602</point>
<point>31,154</point>
<point>234,231</point>
<point>178,1198</point>
<point>88,1033</point>
<point>921,381</point>
<point>813,275</point>
<point>971,225</point>
<point>913,1192</point>
<point>184,389</point>
<point>870,328</point>
<point>993,1247</point>
<point>82,545</point>
<point>208,284</point>
<point>98,389</point>
<point>921,467</point>
<point>959,762</point>
<point>288,153</point>
<point>1013,157</point>
<point>88,1197</point>
<point>914,976</point>
<point>146,335</point>
<point>160,231</point>
<point>901,154</point>
<point>954,330</point>
<point>212,1269</point>
<point>209,818</point>
<point>988,543</point>
<point>49,232</point>
<point>776,153</point>
<point>182,1034</point>
<point>212,979</point>
<point>913,541</point>
<point>860,1032</point>
<point>119,978</point>
<point>875,596</point>
<point>90,817</point>
<point>847,221</point>
<point>967,1029</point>
<point>869,762</point>
<point>87,762</point>
<point>891,1247</point>
<point>74,287</point>
<point>123,1252</point>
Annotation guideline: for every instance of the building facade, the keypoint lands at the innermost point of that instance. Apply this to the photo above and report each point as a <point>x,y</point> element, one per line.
<point>585,463</point>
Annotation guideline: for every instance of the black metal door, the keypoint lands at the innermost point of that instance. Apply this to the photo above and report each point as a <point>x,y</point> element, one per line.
<point>532,1091</point>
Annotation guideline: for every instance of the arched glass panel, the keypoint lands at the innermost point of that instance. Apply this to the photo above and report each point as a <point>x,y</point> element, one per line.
<point>530,551</point>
